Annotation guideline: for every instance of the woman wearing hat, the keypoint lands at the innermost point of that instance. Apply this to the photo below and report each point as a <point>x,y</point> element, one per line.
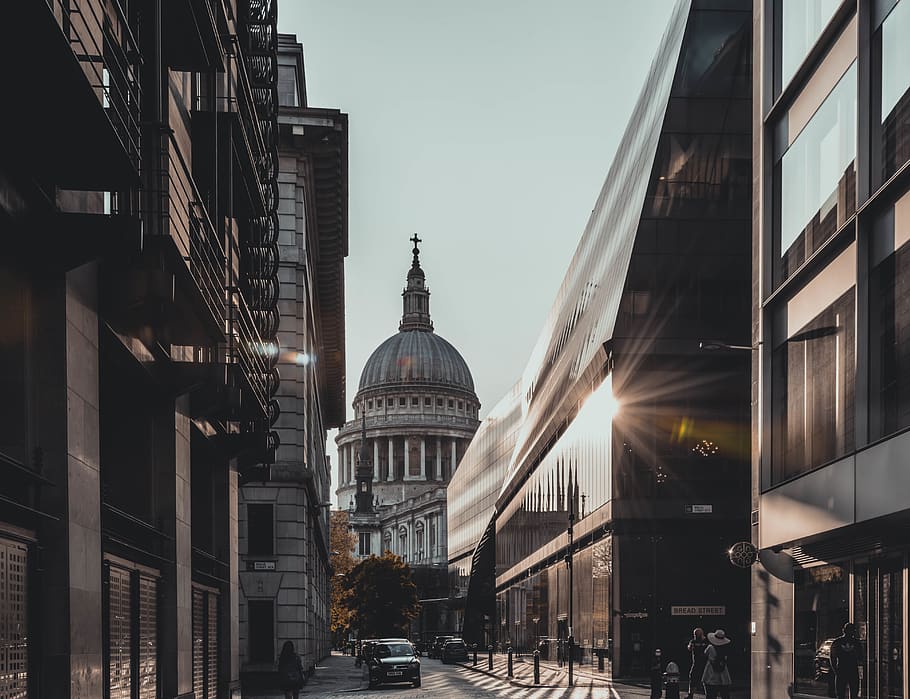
<point>717,675</point>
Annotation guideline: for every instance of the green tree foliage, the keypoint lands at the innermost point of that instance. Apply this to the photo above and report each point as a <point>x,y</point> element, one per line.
<point>342,542</point>
<point>381,596</point>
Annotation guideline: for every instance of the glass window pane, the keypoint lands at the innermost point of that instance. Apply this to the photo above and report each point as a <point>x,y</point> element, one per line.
<point>802,22</point>
<point>816,178</point>
<point>821,603</point>
<point>889,299</point>
<point>813,390</point>
<point>895,88</point>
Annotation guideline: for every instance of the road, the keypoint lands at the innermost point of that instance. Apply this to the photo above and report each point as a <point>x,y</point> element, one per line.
<point>341,681</point>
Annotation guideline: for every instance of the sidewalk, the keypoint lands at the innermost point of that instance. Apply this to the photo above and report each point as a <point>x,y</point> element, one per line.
<point>334,673</point>
<point>552,675</point>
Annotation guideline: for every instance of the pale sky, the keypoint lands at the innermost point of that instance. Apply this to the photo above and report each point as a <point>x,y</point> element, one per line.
<point>486,127</point>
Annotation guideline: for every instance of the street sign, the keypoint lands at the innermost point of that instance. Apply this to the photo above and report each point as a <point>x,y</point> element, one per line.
<point>698,610</point>
<point>260,565</point>
<point>699,509</point>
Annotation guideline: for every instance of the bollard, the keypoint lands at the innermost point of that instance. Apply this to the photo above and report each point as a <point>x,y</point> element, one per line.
<point>510,662</point>
<point>536,667</point>
<point>475,653</point>
<point>490,658</point>
<point>600,661</point>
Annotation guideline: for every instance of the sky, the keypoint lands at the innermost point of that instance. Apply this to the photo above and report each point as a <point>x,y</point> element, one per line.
<point>486,127</point>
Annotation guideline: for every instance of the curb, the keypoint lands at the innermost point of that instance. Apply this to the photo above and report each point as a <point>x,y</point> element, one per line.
<point>509,680</point>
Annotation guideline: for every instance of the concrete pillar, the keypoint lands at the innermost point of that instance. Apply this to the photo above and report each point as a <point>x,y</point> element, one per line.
<point>452,466</point>
<point>176,616</point>
<point>376,460</point>
<point>439,458</point>
<point>407,459</point>
<point>391,474</point>
<point>68,427</point>
<point>423,459</point>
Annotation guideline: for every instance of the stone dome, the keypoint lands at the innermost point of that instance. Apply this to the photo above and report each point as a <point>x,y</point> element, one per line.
<point>416,356</point>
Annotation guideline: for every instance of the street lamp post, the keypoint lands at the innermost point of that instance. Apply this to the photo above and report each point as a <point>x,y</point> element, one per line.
<point>571,639</point>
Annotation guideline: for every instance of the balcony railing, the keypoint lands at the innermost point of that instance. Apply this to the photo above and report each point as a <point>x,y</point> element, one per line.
<point>186,222</point>
<point>249,352</point>
<point>107,50</point>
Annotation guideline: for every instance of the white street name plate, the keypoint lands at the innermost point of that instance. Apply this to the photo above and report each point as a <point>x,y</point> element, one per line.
<point>698,610</point>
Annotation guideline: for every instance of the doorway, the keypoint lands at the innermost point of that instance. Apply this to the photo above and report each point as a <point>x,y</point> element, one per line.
<point>878,603</point>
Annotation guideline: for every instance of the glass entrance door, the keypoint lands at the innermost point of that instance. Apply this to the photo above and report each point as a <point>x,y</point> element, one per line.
<point>879,612</point>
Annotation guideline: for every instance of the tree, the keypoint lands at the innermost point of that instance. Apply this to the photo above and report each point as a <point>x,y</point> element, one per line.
<point>342,542</point>
<point>381,596</point>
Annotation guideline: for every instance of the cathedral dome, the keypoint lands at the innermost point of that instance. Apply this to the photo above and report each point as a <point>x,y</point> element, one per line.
<point>416,356</point>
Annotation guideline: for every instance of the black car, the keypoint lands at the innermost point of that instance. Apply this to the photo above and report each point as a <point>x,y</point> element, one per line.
<point>435,650</point>
<point>395,661</point>
<point>454,650</point>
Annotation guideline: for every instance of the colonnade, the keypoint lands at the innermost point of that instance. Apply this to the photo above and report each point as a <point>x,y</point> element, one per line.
<point>417,539</point>
<point>347,459</point>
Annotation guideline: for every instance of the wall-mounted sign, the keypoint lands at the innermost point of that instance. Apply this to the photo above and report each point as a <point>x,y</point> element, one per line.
<point>699,509</point>
<point>698,610</point>
<point>635,615</point>
<point>260,565</point>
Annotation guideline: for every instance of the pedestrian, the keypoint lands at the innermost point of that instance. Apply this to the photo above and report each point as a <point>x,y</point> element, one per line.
<point>290,671</point>
<point>656,672</point>
<point>671,680</point>
<point>716,676</point>
<point>697,646</point>
<point>846,654</point>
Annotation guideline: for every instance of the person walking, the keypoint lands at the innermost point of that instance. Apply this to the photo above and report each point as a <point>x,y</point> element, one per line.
<point>716,675</point>
<point>290,671</point>
<point>696,648</point>
<point>846,655</point>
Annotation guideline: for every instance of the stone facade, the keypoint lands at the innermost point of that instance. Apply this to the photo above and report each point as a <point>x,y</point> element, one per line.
<point>284,517</point>
<point>415,414</point>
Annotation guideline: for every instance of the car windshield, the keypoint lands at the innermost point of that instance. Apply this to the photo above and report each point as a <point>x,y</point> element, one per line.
<point>455,644</point>
<point>390,650</point>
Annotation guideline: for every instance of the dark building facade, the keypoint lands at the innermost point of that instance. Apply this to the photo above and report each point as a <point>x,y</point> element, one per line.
<point>629,476</point>
<point>831,231</point>
<point>139,207</point>
<point>284,577</point>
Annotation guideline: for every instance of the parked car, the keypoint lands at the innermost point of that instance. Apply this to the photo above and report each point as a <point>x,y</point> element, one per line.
<point>393,662</point>
<point>454,650</point>
<point>823,670</point>
<point>435,649</point>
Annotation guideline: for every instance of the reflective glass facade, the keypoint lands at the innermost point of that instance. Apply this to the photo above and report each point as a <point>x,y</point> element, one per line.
<point>475,485</point>
<point>831,387</point>
<point>629,430</point>
<point>802,22</point>
<point>891,56</point>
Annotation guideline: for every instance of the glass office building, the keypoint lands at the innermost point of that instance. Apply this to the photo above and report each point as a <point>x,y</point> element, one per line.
<point>628,429</point>
<point>831,381</point>
<point>471,496</point>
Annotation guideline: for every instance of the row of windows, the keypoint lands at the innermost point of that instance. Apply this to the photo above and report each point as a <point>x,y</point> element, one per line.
<point>390,402</point>
<point>821,150</point>
<point>814,187</point>
<point>813,360</point>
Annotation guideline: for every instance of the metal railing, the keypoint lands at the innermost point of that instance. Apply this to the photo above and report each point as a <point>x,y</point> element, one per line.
<point>189,227</point>
<point>248,351</point>
<point>107,50</point>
